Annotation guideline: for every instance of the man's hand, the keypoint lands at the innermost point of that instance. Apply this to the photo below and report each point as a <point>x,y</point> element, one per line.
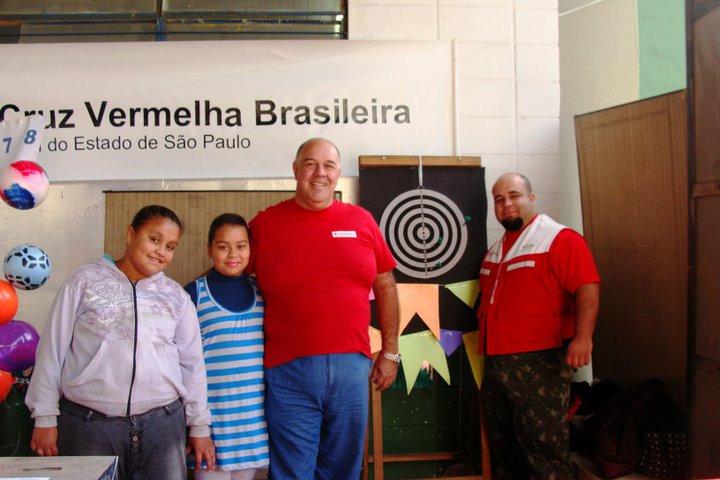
<point>579,351</point>
<point>202,448</point>
<point>44,441</point>
<point>383,373</point>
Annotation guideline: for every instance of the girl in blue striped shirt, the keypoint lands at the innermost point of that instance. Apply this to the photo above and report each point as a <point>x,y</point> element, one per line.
<point>230,310</point>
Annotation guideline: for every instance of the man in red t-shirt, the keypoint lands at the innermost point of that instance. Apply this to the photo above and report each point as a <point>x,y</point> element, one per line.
<point>540,296</point>
<point>316,260</point>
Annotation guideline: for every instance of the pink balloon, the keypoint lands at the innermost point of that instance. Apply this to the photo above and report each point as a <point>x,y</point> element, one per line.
<point>18,343</point>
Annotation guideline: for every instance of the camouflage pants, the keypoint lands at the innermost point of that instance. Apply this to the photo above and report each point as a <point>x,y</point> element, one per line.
<point>525,400</point>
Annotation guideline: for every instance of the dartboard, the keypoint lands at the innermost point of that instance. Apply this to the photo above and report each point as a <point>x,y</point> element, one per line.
<point>426,232</point>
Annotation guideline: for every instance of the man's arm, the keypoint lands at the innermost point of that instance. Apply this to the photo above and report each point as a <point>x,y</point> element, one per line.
<point>587,304</point>
<point>388,309</point>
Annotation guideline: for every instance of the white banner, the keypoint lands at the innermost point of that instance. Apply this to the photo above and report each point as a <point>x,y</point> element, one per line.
<point>196,110</point>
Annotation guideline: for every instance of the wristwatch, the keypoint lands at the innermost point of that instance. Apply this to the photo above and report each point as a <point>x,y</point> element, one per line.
<point>393,357</point>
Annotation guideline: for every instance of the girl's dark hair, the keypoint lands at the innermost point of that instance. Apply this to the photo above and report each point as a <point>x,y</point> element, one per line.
<point>148,212</point>
<point>226,219</point>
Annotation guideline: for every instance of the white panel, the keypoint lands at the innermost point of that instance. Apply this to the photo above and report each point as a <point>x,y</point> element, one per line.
<point>548,203</point>
<point>352,3</point>
<point>538,99</point>
<point>484,135</point>
<point>495,165</point>
<point>538,135</point>
<point>486,98</point>
<point>538,62</point>
<point>542,170</point>
<point>566,5</point>
<point>485,60</point>
<point>553,4</point>
<point>598,69</point>
<point>495,231</point>
<point>62,227</point>
<point>478,3</point>
<point>259,98</point>
<point>35,306</point>
<point>536,26</point>
<point>409,22</point>
<point>495,234</point>
<point>482,24</point>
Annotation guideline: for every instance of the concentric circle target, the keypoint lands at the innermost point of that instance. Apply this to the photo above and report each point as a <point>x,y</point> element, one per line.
<point>426,232</point>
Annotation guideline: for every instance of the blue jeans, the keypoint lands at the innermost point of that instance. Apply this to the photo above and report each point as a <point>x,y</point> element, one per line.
<point>317,410</point>
<point>148,446</point>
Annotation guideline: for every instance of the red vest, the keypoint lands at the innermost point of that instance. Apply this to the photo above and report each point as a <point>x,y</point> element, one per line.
<point>523,307</point>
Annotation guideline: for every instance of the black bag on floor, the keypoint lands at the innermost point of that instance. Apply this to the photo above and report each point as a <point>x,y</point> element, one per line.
<point>619,424</point>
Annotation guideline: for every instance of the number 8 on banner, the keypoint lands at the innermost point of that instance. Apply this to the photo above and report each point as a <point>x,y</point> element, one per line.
<point>23,183</point>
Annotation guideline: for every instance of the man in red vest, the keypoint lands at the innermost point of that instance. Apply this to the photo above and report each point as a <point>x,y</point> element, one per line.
<point>540,296</point>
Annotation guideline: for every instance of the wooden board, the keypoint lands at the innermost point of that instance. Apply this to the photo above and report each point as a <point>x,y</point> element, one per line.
<point>195,208</point>
<point>634,188</point>
<point>414,160</point>
<point>704,332</point>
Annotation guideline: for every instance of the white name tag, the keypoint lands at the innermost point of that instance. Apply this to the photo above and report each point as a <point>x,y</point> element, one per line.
<point>344,234</point>
<point>484,271</point>
<point>526,264</point>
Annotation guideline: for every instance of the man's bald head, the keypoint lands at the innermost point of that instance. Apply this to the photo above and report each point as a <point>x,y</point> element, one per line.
<point>515,175</point>
<point>312,141</point>
<point>514,200</point>
<point>316,169</point>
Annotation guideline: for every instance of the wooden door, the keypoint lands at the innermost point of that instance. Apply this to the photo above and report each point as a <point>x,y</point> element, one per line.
<point>633,181</point>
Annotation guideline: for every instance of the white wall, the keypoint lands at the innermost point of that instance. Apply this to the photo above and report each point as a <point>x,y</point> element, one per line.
<point>508,90</point>
<point>507,93</point>
<point>598,69</point>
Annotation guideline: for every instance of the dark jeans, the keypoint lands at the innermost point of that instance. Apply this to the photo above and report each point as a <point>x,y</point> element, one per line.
<point>148,446</point>
<point>525,398</point>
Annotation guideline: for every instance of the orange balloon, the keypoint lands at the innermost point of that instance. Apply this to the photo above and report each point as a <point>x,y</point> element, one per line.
<point>8,302</point>
<point>6,382</point>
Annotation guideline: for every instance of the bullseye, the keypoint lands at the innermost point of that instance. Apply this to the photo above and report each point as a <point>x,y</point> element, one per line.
<point>426,232</point>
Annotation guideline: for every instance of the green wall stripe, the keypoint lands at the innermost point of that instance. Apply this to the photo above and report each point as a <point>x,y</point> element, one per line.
<point>661,46</point>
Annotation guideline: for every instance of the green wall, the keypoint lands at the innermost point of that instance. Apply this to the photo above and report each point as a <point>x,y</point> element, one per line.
<point>661,42</point>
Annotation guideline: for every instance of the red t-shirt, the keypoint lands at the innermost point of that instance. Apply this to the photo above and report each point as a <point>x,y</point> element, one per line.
<point>315,270</point>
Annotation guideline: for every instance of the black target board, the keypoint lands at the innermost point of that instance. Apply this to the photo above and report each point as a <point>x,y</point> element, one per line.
<point>436,231</point>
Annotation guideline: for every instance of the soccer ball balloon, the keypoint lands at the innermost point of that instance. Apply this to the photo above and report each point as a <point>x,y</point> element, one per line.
<point>23,184</point>
<point>27,267</point>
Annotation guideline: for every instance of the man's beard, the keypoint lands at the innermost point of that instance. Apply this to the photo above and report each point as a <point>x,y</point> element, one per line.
<point>512,224</point>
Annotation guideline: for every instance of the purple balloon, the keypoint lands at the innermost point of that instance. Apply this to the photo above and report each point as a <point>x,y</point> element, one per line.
<point>18,343</point>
